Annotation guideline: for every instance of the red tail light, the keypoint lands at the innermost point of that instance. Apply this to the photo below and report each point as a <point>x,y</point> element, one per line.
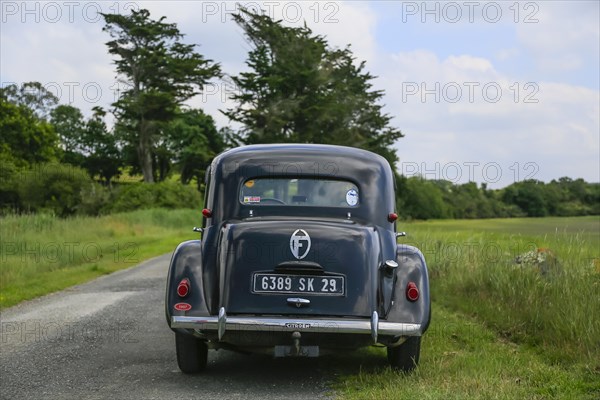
<point>183,289</point>
<point>392,217</point>
<point>412,292</point>
<point>207,212</point>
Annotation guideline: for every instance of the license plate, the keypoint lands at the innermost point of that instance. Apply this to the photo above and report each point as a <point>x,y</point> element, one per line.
<point>298,284</point>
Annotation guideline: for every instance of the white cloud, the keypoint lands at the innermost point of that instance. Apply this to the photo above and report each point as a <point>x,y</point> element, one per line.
<point>68,59</point>
<point>506,54</point>
<point>566,32</point>
<point>553,125</point>
<point>466,62</point>
<point>350,23</point>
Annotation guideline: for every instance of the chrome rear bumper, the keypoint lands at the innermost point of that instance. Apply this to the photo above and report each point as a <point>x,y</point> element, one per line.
<point>223,323</point>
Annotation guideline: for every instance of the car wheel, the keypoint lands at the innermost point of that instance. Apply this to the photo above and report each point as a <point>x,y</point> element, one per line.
<point>406,356</point>
<point>191,353</point>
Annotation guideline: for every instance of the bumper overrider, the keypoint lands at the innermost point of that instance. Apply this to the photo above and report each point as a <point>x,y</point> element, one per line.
<point>222,323</point>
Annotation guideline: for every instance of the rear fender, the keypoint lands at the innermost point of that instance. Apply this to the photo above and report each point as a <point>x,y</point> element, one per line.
<point>411,268</point>
<point>186,262</point>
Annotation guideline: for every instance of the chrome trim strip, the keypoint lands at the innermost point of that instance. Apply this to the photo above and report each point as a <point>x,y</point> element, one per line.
<point>282,324</point>
<point>374,326</point>
<point>221,322</point>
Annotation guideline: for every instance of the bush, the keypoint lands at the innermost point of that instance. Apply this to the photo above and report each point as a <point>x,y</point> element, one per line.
<point>9,196</point>
<point>138,196</point>
<point>64,190</point>
<point>55,188</point>
<point>421,199</point>
<point>94,200</point>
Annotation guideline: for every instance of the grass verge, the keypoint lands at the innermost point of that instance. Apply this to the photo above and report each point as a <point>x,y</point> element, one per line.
<point>41,254</point>
<point>551,306</point>
<point>463,359</point>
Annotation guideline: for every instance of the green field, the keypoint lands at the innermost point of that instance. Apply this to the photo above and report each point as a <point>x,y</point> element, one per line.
<point>554,307</point>
<point>462,359</point>
<point>500,330</point>
<point>40,254</point>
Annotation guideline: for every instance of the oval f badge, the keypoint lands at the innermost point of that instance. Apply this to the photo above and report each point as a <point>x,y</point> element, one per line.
<point>300,243</point>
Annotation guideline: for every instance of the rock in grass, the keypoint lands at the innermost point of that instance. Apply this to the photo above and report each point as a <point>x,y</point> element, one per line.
<point>543,260</point>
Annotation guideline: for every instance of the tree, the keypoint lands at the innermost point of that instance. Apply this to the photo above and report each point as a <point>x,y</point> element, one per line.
<point>60,189</point>
<point>9,179</point>
<point>300,90</point>
<point>162,159</point>
<point>103,156</point>
<point>160,72</point>
<point>194,142</point>
<point>32,95</point>
<point>528,195</point>
<point>69,124</point>
<point>25,138</point>
<point>88,144</point>
<point>421,199</point>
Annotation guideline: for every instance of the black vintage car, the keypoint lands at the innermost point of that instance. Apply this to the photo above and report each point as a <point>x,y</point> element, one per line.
<point>298,256</point>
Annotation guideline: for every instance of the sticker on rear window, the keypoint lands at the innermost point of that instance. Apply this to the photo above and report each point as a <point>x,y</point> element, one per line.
<point>251,199</point>
<point>352,197</point>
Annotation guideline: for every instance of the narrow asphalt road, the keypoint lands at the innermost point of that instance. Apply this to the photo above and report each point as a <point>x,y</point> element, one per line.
<point>108,339</point>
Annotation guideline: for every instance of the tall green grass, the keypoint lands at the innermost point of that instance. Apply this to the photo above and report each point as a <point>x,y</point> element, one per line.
<point>461,359</point>
<point>41,253</point>
<point>473,270</point>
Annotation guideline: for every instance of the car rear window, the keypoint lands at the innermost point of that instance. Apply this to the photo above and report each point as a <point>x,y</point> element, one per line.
<point>299,192</point>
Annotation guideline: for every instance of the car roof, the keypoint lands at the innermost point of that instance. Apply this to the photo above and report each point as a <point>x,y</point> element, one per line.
<point>318,160</point>
<point>369,171</point>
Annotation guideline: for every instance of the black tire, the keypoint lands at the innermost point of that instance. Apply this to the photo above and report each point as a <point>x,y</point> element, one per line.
<point>191,353</point>
<point>406,356</point>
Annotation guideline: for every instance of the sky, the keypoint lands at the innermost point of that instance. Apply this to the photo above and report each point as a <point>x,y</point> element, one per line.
<point>493,92</point>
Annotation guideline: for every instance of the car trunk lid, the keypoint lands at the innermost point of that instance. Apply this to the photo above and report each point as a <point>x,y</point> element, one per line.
<point>283,267</point>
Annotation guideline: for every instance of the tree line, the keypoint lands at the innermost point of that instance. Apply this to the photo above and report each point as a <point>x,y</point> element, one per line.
<point>297,88</point>
<point>439,199</point>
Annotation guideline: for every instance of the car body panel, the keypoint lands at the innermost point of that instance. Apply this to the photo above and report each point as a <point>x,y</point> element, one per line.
<point>340,249</point>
